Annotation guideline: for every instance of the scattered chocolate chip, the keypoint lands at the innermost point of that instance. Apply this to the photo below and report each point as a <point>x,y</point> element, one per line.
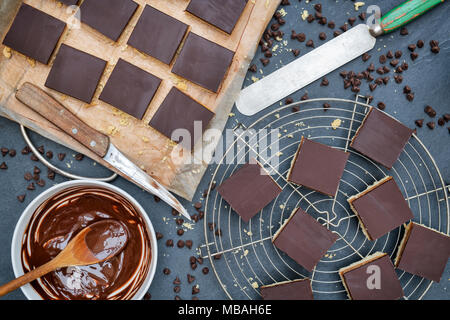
<point>41,183</point>
<point>79,157</point>
<point>176,289</point>
<point>296,52</point>
<point>322,36</point>
<point>166,271</point>
<point>33,157</point>
<point>407,89</point>
<point>386,69</point>
<point>268,54</point>
<point>12,153</point>
<point>382,58</point>
<point>419,122</point>
<point>318,7</point>
<point>331,25</point>
<point>381,105</point>
<point>389,54</point>
<point>192,260</point>
<point>31,187</point>
<point>343,74</point>
<point>347,84</point>
<point>430,111</point>
<point>398,78</point>
<point>344,27</point>
<point>366,56</point>
<point>205,270</point>
<point>61,156</point>
<point>405,66</point>
<point>28,176</point>
<point>404,31</point>
<point>380,70</point>
<point>169,243</point>
<point>420,43</point>
<point>190,278</point>
<point>318,15</point>
<point>49,154</point>
<point>180,244</point>
<point>36,170</point>
<point>41,149</point>
<point>431,125</point>
<point>36,177</point>
<point>294,109</point>
<point>175,212</point>
<point>177,281</point>
<point>197,205</point>
<point>194,217</point>
<point>304,97</point>
<point>324,82</point>
<point>386,80</point>
<point>199,260</point>
<point>301,37</point>
<point>435,50</point>
<point>379,81</point>
<point>398,54</point>
<point>310,18</point>
<point>351,20</point>
<point>177,297</point>
<point>51,174</point>
<point>26,150</point>
<point>21,197</point>
<point>189,244</point>
<point>217,256</point>
<point>147,296</point>
<point>218,232</point>
<point>394,62</point>
<point>326,106</point>
<point>399,69</point>
<point>288,101</point>
<point>371,68</point>
<point>410,96</point>
<point>179,221</point>
<point>285,3</point>
<point>337,33</point>
<point>195,289</point>
<point>180,232</point>
<point>362,16</point>
<point>156,198</point>
<point>310,43</point>
<point>253,68</point>
<point>414,56</point>
<point>3,166</point>
<point>193,266</point>
<point>412,47</point>
<point>447,117</point>
<point>264,61</point>
<point>434,43</point>
<point>323,21</point>
<point>372,86</point>
<point>211,226</point>
<point>4,151</point>
<point>441,122</point>
<point>159,236</point>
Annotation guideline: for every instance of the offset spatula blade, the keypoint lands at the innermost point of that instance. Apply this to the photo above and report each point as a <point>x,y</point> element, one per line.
<point>304,70</point>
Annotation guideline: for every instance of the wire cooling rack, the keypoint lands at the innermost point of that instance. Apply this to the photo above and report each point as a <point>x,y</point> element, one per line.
<point>248,259</point>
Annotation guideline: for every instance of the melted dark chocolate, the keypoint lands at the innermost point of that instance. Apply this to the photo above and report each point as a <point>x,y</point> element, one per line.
<point>59,219</point>
<point>106,238</point>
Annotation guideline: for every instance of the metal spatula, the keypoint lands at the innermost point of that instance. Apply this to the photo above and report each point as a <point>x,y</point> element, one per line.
<point>326,58</point>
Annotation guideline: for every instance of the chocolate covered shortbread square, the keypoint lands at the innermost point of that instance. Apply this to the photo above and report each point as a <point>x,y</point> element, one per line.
<point>288,290</point>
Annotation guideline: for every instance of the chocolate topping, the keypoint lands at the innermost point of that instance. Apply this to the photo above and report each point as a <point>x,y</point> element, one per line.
<point>318,167</point>
<point>60,218</point>
<point>249,190</point>
<point>424,252</point>
<point>358,282</point>
<point>304,239</point>
<point>34,33</point>
<point>109,17</point>
<point>222,14</point>
<point>381,138</point>
<point>203,62</point>
<point>289,290</point>
<point>106,238</point>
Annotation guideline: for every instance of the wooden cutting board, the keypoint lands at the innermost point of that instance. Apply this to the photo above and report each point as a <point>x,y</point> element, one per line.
<point>149,149</point>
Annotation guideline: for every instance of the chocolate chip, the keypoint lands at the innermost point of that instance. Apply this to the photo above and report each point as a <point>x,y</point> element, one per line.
<point>36,177</point>
<point>441,122</point>
<point>192,259</point>
<point>79,157</point>
<point>211,226</point>
<point>28,176</point>
<point>447,117</point>
<point>36,170</point>
<point>205,270</point>
<point>371,68</point>
<point>318,7</point>
<point>372,86</point>
<point>326,106</point>
<point>190,278</point>
<point>268,54</point>
<point>386,69</point>
<point>420,43</point>
<point>147,296</point>
<point>379,81</point>
<point>197,205</point>
<point>380,70</point>
<point>285,3</point>
<point>296,52</point>
<point>310,18</point>
<point>398,54</point>
<point>431,125</point>
<point>381,105</point>
<point>26,150</point>
<point>343,74</point>
<point>430,111</point>
<point>301,37</point>
<point>194,217</point>
<point>295,109</point>
<point>34,158</point>
<point>180,232</point>
<point>324,82</point>
<point>4,151</point>
<point>435,50</point>
<point>169,243</point>
<point>404,66</point>
<point>407,89</point>
<point>41,183</point>
<point>386,80</point>
<point>344,27</point>
<point>382,58</point>
<point>318,15</point>
<point>41,149</point>
<point>253,68</point>
<point>337,33</point>
<point>410,96</point>
<point>51,174</point>
<point>304,97</point>
<point>218,232</point>
<point>331,25</point>
<point>275,26</point>
<point>398,78</point>
<point>366,56</point>
<point>177,297</point>
<point>264,61</point>
<point>322,36</point>
<point>166,271</point>
<point>347,84</point>
<point>414,56</point>
<point>189,244</point>
<point>419,122</point>
<point>31,187</point>
<point>399,69</point>
<point>394,62</point>
<point>434,43</point>
<point>159,236</point>
<point>404,31</point>
<point>177,281</point>
<point>179,221</point>
<point>351,20</point>
<point>412,47</point>
<point>180,244</point>
<point>3,166</point>
<point>195,289</point>
<point>61,156</point>
<point>49,154</point>
<point>362,16</point>
<point>199,260</point>
<point>310,43</point>
<point>389,54</point>
<point>21,197</point>
<point>217,256</point>
<point>176,289</point>
<point>323,21</point>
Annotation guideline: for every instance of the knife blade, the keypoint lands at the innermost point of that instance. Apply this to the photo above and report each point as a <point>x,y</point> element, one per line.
<point>326,58</point>
<point>45,105</point>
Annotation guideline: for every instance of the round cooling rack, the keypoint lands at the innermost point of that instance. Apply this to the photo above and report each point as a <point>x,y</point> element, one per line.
<point>242,255</point>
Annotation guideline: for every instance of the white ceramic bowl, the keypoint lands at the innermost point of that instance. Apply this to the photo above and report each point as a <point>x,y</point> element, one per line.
<point>21,226</point>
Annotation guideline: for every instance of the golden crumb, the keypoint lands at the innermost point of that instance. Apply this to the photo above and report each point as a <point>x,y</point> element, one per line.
<point>336,123</point>
<point>305,14</point>
<point>358,5</point>
<point>7,52</point>
<point>31,62</point>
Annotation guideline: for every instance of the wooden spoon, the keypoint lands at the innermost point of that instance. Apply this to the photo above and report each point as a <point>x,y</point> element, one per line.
<point>96,243</point>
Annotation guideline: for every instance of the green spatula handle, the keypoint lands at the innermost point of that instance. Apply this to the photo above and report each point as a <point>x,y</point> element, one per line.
<point>406,12</point>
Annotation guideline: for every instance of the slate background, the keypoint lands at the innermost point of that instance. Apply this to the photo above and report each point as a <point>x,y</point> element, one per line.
<point>428,76</point>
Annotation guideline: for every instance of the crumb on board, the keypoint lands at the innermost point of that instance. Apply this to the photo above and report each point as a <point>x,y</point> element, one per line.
<point>358,5</point>
<point>305,14</point>
<point>7,52</point>
<point>336,123</point>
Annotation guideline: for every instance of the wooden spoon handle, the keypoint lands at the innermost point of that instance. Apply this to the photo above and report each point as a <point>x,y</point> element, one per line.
<point>28,277</point>
<point>39,101</point>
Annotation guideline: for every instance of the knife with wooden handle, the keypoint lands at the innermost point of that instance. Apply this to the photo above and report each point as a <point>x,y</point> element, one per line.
<point>326,58</point>
<point>42,103</point>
